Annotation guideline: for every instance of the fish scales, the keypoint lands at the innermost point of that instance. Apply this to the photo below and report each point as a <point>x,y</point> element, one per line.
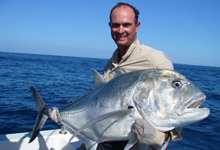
<point>163,97</point>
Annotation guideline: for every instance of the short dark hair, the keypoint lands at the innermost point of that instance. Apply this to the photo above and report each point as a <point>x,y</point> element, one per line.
<point>126,4</point>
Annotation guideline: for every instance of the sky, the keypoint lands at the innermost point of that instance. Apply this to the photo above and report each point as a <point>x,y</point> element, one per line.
<point>187,31</point>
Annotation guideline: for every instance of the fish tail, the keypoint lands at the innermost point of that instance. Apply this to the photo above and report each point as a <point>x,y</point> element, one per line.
<point>43,114</point>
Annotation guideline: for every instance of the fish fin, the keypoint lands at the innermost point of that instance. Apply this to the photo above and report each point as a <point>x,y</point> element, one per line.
<point>116,113</point>
<point>143,146</point>
<point>119,71</point>
<point>130,143</point>
<point>90,145</point>
<point>94,147</point>
<point>43,114</point>
<point>98,80</point>
<point>41,119</point>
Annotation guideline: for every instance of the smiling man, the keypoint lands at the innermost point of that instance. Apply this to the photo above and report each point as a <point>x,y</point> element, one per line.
<point>124,27</point>
<point>129,56</point>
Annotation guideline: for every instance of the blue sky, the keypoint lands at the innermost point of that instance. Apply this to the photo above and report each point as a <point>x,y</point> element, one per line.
<point>188,31</point>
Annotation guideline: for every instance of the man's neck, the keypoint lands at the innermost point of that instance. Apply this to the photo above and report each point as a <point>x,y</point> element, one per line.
<point>122,52</point>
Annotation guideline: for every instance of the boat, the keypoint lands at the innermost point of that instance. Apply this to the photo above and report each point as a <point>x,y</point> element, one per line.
<point>46,140</point>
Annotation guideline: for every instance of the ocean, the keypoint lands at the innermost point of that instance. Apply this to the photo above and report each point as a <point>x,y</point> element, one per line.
<point>59,79</point>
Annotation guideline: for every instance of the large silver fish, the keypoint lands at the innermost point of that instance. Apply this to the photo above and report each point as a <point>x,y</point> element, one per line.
<point>163,97</point>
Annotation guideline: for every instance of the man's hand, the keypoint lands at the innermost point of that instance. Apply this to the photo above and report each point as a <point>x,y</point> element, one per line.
<point>147,134</point>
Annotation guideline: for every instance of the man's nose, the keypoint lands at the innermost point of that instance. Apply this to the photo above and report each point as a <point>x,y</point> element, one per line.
<point>121,29</point>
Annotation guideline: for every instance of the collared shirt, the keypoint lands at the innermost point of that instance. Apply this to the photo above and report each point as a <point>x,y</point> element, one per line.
<point>138,57</point>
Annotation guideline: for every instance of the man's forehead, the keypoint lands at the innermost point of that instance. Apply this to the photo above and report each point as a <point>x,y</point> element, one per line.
<point>123,12</point>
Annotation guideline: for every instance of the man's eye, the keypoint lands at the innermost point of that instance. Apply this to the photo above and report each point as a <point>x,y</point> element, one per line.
<point>177,84</point>
<point>127,25</point>
<point>115,25</point>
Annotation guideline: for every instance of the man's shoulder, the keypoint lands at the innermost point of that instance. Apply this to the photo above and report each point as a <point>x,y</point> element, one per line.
<point>156,57</point>
<point>147,50</point>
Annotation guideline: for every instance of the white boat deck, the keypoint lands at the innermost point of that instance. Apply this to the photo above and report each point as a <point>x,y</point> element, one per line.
<point>46,140</point>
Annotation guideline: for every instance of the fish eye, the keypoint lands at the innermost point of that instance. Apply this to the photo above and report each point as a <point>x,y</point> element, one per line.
<point>177,84</point>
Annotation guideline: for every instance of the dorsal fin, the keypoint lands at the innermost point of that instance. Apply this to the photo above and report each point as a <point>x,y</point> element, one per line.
<point>98,80</point>
<point>119,71</point>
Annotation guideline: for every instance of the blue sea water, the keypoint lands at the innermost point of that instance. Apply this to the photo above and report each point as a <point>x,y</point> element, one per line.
<point>60,78</point>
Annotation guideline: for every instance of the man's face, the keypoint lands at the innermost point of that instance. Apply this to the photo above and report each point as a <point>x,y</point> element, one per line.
<point>123,27</point>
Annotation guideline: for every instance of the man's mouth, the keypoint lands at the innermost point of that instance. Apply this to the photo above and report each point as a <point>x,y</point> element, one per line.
<point>121,37</point>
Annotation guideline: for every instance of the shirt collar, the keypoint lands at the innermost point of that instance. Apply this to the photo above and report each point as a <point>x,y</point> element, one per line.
<point>126,55</point>
<point>130,50</point>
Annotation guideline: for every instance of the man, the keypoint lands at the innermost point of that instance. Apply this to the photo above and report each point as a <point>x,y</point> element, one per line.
<point>131,56</point>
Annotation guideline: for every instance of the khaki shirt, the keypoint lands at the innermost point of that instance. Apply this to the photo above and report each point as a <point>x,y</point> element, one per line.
<point>138,57</point>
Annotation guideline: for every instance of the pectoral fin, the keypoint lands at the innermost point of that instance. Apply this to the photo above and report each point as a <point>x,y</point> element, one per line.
<point>130,143</point>
<point>91,145</point>
<point>115,114</point>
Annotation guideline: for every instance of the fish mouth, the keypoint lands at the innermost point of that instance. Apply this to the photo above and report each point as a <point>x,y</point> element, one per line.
<point>192,105</point>
<point>190,112</point>
<point>196,104</point>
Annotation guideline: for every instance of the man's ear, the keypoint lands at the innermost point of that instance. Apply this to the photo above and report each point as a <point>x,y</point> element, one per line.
<point>110,24</point>
<point>138,26</point>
